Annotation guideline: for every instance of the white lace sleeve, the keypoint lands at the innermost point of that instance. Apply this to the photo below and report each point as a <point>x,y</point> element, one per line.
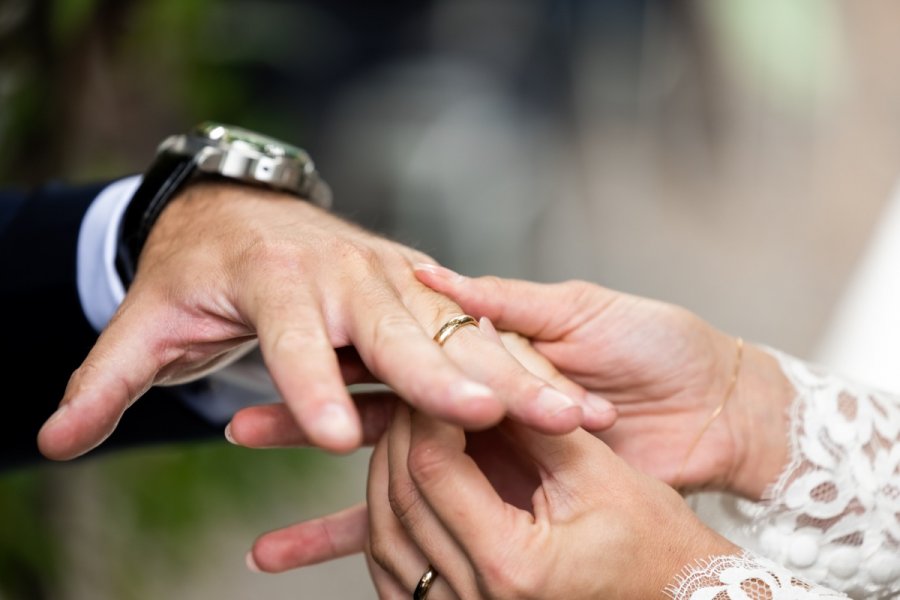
<point>833,516</point>
<point>743,577</point>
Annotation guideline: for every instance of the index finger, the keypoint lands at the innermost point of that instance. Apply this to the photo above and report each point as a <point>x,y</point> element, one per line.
<point>393,328</point>
<point>459,494</point>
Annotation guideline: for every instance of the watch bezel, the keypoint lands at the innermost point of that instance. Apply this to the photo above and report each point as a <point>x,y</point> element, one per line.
<point>243,155</point>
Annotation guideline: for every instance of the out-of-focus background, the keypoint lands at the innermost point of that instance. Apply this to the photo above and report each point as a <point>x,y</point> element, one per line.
<point>737,157</point>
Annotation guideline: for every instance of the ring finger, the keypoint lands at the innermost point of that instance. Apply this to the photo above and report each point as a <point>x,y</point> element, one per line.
<point>526,397</point>
<point>395,561</point>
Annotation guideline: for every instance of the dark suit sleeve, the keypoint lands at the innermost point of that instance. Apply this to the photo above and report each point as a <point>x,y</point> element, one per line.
<point>46,335</point>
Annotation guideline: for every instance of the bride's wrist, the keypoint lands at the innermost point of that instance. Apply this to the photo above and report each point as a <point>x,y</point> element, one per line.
<point>761,419</point>
<point>698,544</point>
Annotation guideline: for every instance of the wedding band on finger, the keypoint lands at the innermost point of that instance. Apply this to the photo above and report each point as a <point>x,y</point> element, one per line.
<point>425,582</point>
<point>452,326</point>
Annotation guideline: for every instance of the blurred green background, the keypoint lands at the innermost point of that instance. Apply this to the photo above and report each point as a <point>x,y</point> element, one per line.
<point>731,156</point>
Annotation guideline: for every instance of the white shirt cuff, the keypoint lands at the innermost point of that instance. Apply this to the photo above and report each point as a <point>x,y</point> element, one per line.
<point>100,288</point>
<point>100,291</point>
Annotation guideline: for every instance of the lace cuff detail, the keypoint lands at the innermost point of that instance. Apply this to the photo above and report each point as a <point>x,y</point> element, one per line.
<point>833,513</point>
<point>743,577</point>
<point>833,516</point>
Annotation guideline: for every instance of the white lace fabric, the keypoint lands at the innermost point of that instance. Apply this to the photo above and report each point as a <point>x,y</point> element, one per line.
<point>743,577</point>
<point>833,516</point>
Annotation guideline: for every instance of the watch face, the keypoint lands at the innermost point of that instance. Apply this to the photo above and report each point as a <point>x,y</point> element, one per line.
<point>239,154</point>
<point>221,133</point>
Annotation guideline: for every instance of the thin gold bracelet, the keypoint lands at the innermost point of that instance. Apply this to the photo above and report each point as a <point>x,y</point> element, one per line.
<point>715,413</point>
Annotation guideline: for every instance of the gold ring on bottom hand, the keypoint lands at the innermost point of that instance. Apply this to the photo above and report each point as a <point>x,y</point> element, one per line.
<point>425,582</point>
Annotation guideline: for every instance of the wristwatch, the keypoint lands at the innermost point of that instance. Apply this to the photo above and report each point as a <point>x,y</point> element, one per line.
<point>213,150</point>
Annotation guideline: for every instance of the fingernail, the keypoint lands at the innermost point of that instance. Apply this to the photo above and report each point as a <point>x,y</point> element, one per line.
<point>228,435</point>
<point>466,391</point>
<point>599,404</point>
<point>251,563</point>
<point>553,401</point>
<point>56,416</point>
<point>335,423</point>
<point>439,271</point>
<point>488,329</point>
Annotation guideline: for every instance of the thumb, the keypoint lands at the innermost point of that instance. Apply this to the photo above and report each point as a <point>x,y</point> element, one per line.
<point>536,310</point>
<point>120,367</point>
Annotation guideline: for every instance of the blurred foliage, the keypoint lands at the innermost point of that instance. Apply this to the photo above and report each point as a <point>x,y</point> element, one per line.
<point>158,503</point>
<point>89,87</point>
<point>183,488</point>
<point>196,79</point>
<point>791,49</point>
<point>70,17</point>
<point>29,558</point>
<point>171,496</point>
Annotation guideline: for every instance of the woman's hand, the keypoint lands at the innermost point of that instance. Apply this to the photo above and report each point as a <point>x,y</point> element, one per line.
<point>665,369</point>
<point>566,519</point>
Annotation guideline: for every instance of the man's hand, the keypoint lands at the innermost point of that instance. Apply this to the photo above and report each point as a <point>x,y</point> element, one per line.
<point>228,266</point>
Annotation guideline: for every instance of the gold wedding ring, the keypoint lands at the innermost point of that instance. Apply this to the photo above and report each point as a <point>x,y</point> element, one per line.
<point>421,591</point>
<point>451,327</point>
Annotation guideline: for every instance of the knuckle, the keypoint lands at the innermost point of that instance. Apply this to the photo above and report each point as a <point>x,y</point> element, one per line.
<point>290,339</point>
<point>380,549</point>
<point>391,325</point>
<point>403,498</point>
<point>279,253</point>
<point>497,578</point>
<point>358,255</point>
<point>77,377</point>
<point>417,256</point>
<point>117,386</point>
<point>441,309</point>
<point>427,463</point>
<point>505,579</point>
<point>579,293</point>
<point>431,308</point>
<point>491,283</point>
<point>388,329</point>
<point>396,258</point>
<point>575,287</point>
<point>512,570</point>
